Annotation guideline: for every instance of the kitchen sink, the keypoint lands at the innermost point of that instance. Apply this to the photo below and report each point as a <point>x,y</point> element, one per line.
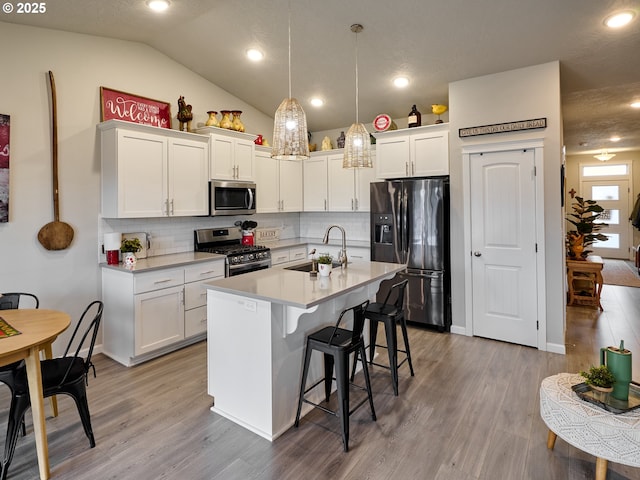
<point>306,267</point>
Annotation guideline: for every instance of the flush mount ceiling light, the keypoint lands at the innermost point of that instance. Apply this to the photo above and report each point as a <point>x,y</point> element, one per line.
<point>290,124</point>
<point>316,102</point>
<point>158,5</point>
<point>254,55</point>
<point>604,156</point>
<point>619,19</point>
<point>614,139</point>
<point>357,146</point>
<point>401,82</point>
<point>635,105</point>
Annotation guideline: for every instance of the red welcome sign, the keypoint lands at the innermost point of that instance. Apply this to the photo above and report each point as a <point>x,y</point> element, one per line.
<point>134,108</point>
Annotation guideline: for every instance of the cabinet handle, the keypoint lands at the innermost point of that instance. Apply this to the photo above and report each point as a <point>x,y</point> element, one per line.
<point>325,204</point>
<point>207,272</point>
<point>352,204</point>
<point>413,168</point>
<point>162,281</point>
<point>406,168</point>
<point>357,208</point>
<point>172,206</point>
<point>166,207</point>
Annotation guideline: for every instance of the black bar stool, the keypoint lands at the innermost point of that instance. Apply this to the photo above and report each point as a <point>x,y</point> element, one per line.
<point>337,344</point>
<point>391,314</point>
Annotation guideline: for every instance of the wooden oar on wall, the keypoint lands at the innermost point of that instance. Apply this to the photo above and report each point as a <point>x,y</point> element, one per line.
<point>55,235</point>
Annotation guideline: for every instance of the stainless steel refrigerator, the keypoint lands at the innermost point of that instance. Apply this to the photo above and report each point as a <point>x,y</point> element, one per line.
<point>410,225</point>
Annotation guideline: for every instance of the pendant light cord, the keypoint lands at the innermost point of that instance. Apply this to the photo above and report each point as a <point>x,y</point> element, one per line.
<point>357,121</point>
<point>289,28</point>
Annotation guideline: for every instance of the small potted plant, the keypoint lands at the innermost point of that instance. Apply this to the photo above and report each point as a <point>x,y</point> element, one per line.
<point>130,246</point>
<point>325,262</point>
<point>599,378</point>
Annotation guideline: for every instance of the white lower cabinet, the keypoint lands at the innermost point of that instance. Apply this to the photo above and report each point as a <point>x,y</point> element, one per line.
<point>286,255</point>
<point>151,313</point>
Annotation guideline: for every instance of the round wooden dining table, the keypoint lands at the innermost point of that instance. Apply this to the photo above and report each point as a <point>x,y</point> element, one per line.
<point>38,329</point>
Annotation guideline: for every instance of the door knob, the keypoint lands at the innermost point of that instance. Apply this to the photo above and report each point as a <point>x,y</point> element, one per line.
<point>477,254</point>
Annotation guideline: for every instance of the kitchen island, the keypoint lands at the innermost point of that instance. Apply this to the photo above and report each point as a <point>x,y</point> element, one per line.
<point>257,325</point>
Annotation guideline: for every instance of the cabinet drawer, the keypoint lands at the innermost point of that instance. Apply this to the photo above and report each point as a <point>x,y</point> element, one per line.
<point>203,271</point>
<point>279,256</point>
<point>297,253</point>
<point>147,282</point>
<point>195,295</point>
<point>195,321</point>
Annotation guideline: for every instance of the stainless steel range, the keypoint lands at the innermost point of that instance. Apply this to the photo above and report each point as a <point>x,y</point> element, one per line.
<point>228,241</point>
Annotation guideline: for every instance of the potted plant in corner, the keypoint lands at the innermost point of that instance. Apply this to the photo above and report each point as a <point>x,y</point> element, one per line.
<point>599,378</point>
<point>587,218</point>
<point>129,247</point>
<point>325,262</point>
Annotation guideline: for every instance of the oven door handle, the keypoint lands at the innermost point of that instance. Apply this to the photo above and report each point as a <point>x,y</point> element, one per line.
<point>250,198</point>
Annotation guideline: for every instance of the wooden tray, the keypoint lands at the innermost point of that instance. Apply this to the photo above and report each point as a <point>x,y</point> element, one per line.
<point>607,401</point>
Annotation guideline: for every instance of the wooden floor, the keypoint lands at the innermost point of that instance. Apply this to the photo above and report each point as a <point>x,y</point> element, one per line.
<point>471,412</point>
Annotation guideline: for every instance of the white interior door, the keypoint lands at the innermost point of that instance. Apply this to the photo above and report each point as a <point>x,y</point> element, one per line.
<point>613,196</point>
<point>503,241</point>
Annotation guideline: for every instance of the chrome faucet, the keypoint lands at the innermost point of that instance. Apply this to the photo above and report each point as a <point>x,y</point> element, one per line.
<point>342,256</point>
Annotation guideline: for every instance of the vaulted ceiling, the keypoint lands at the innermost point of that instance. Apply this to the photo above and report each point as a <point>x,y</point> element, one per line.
<point>432,42</point>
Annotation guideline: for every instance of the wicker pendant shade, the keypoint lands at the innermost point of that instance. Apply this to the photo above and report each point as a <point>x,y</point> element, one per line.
<point>290,124</point>
<point>290,132</point>
<point>357,146</point>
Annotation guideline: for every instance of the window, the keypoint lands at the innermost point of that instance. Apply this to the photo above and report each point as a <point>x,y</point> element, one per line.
<point>605,170</point>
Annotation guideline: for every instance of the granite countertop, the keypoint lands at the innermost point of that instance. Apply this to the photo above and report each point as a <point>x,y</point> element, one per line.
<point>166,261</point>
<point>299,289</point>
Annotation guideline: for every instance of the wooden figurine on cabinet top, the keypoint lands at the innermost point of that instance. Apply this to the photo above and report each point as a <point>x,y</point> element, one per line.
<point>184,115</point>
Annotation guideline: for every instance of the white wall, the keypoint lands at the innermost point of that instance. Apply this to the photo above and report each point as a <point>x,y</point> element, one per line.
<point>522,94</point>
<point>69,279</point>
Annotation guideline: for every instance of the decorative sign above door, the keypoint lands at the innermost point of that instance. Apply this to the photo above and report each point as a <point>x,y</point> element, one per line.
<point>503,127</point>
<point>133,108</point>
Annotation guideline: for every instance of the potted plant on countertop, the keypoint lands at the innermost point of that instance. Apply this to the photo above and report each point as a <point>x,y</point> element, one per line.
<point>325,262</point>
<point>587,218</point>
<point>130,246</point>
<point>599,378</point>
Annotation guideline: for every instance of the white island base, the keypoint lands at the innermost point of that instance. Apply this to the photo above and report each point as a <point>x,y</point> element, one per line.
<point>257,329</point>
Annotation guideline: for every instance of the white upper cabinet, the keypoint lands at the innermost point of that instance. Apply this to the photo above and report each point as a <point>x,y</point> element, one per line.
<point>232,154</point>
<point>315,183</point>
<point>152,172</point>
<point>348,188</point>
<point>278,183</point>
<point>413,152</point>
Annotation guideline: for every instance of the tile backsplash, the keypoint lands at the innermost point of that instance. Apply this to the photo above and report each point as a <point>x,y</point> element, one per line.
<point>175,235</point>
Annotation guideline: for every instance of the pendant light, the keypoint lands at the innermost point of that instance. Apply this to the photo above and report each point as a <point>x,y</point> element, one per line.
<point>290,124</point>
<point>604,156</point>
<point>357,146</point>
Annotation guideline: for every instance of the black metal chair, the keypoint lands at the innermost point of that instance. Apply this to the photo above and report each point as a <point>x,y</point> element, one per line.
<point>391,315</point>
<point>337,344</point>
<point>65,375</point>
<point>12,301</point>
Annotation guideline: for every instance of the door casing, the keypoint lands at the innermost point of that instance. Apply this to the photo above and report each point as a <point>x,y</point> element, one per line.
<point>538,146</point>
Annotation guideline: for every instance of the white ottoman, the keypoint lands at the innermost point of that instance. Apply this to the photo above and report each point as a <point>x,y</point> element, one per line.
<point>607,436</point>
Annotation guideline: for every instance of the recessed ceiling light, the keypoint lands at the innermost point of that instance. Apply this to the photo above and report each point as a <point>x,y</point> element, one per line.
<point>401,82</point>
<point>317,102</point>
<point>158,5</point>
<point>635,105</point>
<point>619,19</point>
<point>614,139</point>
<point>254,55</point>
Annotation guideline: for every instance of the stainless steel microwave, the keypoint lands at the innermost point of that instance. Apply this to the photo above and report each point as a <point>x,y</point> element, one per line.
<point>229,197</point>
